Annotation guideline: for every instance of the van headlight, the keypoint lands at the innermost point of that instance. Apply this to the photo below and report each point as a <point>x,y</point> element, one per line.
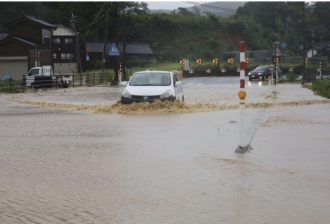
<point>166,94</point>
<point>126,94</point>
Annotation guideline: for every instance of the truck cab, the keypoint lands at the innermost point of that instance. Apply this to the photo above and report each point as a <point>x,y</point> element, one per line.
<point>44,71</point>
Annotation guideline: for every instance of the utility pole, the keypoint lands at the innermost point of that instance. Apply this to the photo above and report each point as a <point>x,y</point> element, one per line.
<point>105,37</point>
<point>312,35</point>
<point>73,26</point>
<point>116,40</point>
<point>287,30</point>
<point>304,55</point>
<point>124,48</point>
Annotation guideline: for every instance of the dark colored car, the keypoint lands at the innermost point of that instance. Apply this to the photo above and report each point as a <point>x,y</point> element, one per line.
<point>262,72</point>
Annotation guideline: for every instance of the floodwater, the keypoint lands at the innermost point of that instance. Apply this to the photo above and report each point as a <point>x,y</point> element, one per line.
<point>61,162</point>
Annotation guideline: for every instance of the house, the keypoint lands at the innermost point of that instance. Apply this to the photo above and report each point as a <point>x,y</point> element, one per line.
<point>65,54</point>
<point>133,50</point>
<point>253,56</point>
<point>311,50</point>
<point>27,44</point>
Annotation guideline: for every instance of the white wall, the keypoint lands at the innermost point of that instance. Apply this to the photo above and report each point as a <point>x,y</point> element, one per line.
<point>65,68</point>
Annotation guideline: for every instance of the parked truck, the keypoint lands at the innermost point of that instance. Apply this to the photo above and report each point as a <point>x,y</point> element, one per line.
<point>43,77</point>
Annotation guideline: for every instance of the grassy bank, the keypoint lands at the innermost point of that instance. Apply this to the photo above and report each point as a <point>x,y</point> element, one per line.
<point>322,87</point>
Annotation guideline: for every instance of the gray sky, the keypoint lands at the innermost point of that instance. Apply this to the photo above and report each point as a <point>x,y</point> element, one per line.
<point>169,5</point>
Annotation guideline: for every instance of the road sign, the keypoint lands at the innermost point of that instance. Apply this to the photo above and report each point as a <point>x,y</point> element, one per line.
<point>199,61</point>
<point>208,70</point>
<point>246,60</point>
<point>114,50</point>
<point>276,44</point>
<point>238,70</point>
<point>186,64</point>
<point>276,60</point>
<point>230,60</point>
<point>87,57</point>
<point>283,45</point>
<point>87,50</point>
<point>215,61</point>
<point>223,70</point>
<point>181,62</point>
<point>306,60</point>
<point>191,71</point>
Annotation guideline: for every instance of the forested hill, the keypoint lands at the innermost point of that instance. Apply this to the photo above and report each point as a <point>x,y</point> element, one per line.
<point>222,9</point>
<point>183,33</point>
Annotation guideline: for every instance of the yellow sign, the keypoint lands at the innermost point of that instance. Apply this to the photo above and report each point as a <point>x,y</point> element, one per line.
<point>199,61</point>
<point>215,61</point>
<point>181,62</point>
<point>230,60</point>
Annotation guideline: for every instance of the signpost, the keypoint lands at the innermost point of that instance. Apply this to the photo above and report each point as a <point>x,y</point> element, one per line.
<point>215,61</point>
<point>241,148</point>
<point>87,57</point>
<point>199,61</point>
<point>181,62</point>
<point>230,61</point>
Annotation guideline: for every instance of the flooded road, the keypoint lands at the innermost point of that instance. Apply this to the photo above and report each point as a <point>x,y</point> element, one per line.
<point>60,165</point>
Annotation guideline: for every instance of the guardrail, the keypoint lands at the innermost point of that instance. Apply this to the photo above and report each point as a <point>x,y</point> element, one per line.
<point>235,72</point>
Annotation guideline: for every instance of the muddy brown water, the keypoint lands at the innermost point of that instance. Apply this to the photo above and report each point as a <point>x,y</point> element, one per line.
<point>62,162</point>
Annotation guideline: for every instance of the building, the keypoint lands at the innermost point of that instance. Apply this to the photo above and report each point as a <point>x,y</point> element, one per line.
<point>254,56</point>
<point>133,50</point>
<point>27,44</point>
<point>65,52</point>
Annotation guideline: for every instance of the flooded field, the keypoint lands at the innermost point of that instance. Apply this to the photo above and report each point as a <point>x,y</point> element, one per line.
<point>79,157</point>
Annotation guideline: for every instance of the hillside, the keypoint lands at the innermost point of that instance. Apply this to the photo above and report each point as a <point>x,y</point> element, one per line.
<point>222,9</point>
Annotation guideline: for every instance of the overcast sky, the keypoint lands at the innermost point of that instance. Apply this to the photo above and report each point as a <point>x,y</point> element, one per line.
<point>169,5</point>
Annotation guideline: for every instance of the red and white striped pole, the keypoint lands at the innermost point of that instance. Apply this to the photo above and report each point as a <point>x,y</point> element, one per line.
<point>241,95</point>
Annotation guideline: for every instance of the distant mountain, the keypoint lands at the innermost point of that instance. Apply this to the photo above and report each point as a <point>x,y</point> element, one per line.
<point>222,9</point>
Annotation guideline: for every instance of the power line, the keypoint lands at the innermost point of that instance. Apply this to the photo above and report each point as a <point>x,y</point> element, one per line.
<point>87,31</point>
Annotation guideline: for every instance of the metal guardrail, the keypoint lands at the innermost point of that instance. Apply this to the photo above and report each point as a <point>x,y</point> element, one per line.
<point>235,72</point>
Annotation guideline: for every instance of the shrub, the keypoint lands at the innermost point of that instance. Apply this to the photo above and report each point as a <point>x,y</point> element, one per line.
<point>291,77</point>
<point>322,87</point>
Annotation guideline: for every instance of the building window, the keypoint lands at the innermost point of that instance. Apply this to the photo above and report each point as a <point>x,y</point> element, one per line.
<point>68,40</point>
<point>36,63</point>
<point>54,55</point>
<point>36,51</point>
<point>56,40</point>
<point>66,55</point>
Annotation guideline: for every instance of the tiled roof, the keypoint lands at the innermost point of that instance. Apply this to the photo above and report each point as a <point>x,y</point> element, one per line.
<point>32,19</point>
<point>131,48</point>
<point>37,20</point>
<point>27,41</point>
<point>21,39</point>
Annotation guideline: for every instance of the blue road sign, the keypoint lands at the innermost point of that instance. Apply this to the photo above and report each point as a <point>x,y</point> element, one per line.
<point>114,50</point>
<point>87,57</point>
<point>283,45</point>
